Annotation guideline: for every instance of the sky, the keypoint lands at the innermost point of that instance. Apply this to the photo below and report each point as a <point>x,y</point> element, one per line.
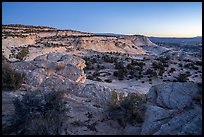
<point>161,19</point>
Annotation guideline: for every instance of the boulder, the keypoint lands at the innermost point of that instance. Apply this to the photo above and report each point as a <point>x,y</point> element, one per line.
<point>172,110</point>
<point>71,72</point>
<point>99,94</point>
<point>57,84</point>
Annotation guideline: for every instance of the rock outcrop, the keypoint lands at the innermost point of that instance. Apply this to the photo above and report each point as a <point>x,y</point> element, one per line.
<point>173,109</point>
<point>52,65</point>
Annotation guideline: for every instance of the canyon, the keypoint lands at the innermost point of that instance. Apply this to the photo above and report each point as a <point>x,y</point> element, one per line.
<point>111,84</point>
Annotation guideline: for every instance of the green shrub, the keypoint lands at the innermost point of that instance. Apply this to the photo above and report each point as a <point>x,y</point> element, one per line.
<point>120,74</point>
<point>180,65</point>
<point>151,73</point>
<point>182,77</point>
<point>40,114</point>
<point>98,79</point>
<point>119,65</point>
<point>11,79</point>
<point>129,109</point>
<point>108,80</point>
<point>130,66</point>
<point>199,63</point>
<point>114,102</point>
<point>90,77</point>
<point>23,53</point>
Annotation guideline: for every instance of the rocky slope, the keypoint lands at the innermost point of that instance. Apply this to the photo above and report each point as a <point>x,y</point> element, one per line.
<point>171,109</point>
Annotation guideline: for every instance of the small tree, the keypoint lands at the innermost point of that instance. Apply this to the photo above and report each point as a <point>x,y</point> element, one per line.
<point>23,53</point>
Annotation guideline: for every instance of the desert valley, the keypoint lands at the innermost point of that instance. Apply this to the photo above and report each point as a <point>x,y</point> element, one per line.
<point>70,82</point>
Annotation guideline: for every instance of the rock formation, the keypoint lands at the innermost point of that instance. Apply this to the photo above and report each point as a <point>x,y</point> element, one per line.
<point>173,110</point>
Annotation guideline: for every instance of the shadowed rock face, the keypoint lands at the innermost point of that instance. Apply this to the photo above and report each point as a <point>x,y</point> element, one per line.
<point>173,110</point>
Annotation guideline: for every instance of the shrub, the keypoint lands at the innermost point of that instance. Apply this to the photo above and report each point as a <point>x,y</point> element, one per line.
<point>108,59</point>
<point>119,65</point>
<point>182,77</point>
<point>90,77</point>
<point>199,63</point>
<point>114,102</point>
<point>108,80</point>
<point>151,73</point>
<point>129,109</point>
<point>23,53</point>
<point>172,70</point>
<point>130,66</point>
<point>161,72</point>
<point>96,73</point>
<point>180,65</point>
<point>11,79</point>
<point>120,74</point>
<point>40,114</point>
<point>98,79</point>
<point>131,77</point>
<point>115,73</point>
<point>188,65</point>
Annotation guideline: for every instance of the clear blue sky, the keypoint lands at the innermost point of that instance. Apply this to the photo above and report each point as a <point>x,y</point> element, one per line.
<point>173,19</point>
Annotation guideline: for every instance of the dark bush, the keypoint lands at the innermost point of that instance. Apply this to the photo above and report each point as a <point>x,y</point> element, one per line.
<point>151,73</point>
<point>130,109</point>
<point>199,63</point>
<point>180,65</point>
<point>120,74</point>
<point>97,79</point>
<point>90,77</point>
<point>108,59</point>
<point>23,53</point>
<point>130,66</point>
<point>119,65</point>
<point>40,114</point>
<point>172,70</point>
<point>182,77</point>
<point>11,79</point>
<point>108,80</point>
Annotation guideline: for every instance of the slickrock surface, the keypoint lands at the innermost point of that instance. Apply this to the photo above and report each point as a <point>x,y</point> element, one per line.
<point>173,110</point>
<point>52,64</point>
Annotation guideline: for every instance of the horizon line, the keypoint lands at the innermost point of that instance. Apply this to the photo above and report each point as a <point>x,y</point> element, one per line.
<point>107,32</point>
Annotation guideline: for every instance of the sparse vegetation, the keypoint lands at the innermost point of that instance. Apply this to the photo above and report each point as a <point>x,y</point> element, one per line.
<point>23,53</point>
<point>108,80</point>
<point>183,77</point>
<point>40,114</point>
<point>129,109</point>
<point>172,70</point>
<point>11,80</point>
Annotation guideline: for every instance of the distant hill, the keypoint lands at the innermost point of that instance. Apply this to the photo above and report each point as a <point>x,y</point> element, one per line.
<point>183,41</point>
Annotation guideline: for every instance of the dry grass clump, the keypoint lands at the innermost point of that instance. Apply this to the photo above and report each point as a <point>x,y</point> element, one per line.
<point>11,80</point>
<point>23,53</point>
<point>39,113</point>
<point>128,109</point>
